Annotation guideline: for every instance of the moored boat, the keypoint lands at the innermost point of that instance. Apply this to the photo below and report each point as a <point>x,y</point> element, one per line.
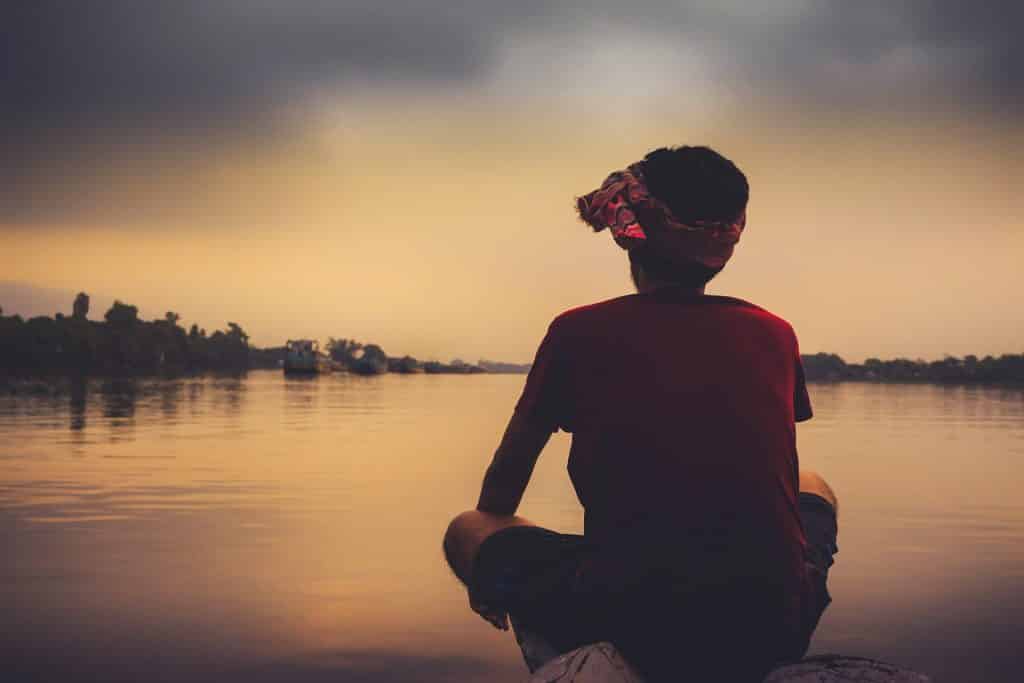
<point>303,357</point>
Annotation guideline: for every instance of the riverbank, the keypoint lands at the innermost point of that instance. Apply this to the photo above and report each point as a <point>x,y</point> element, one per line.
<point>1004,369</point>
<point>123,344</point>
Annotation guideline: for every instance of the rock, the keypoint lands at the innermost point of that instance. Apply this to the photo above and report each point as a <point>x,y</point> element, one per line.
<point>602,663</point>
<point>536,651</point>
<point>840,669</point>
<point>597,663</point>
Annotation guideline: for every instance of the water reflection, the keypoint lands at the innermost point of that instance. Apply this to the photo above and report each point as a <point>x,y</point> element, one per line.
<point>119,397</point>
<point>229,392</point>
<point>171,392</point>
<point>264,528</point>
<point>77,396</point>
<point>301,396</point>
<point>195,393</point>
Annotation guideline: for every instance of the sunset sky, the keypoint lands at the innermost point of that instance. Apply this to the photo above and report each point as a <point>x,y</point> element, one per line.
<point>405,173</point>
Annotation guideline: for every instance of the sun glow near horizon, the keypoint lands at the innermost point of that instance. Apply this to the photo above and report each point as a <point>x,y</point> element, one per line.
<point>441,232</point>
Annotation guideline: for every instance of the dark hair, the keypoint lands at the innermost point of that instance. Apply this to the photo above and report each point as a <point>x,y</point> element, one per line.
<point>695,183</point>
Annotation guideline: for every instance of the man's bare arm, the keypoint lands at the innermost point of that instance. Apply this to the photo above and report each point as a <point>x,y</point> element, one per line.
<point>510,470</point>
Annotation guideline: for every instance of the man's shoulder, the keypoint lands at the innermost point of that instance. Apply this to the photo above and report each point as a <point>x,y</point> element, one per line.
<point>757,311</point>
<point>593,311</point>
<point>593,317</point>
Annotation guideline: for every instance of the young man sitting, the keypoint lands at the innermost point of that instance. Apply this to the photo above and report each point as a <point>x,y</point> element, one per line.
<point>703,541</point>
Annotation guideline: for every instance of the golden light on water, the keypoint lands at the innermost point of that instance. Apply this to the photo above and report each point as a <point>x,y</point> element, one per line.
<point>264,520</point>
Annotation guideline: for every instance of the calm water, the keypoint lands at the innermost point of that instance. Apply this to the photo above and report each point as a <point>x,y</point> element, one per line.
<point>270,529</point>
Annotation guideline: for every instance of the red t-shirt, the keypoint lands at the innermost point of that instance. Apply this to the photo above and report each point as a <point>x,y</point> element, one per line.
<point>682,409</point>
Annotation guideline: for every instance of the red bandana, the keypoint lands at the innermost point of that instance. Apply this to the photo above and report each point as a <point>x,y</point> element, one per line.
<point>614,206</point>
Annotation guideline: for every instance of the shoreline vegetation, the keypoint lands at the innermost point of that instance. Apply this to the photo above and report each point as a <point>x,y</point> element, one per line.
<point>124,344</point>
<point>1004,369</point>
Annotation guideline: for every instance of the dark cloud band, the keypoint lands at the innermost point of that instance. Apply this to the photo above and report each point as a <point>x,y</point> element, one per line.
<point>68,64</point>
<point>75,76</point>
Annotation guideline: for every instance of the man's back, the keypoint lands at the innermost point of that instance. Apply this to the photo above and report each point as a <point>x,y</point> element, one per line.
<point>682,408</point>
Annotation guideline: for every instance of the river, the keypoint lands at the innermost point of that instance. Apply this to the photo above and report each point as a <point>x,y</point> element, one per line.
<point>263,528</point>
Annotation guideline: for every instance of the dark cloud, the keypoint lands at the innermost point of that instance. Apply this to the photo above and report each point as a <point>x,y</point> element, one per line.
<point>958,54</point>
<point>120,60</point>
<point>74,76</point>
<point>992,31</point>
<point>180,61</point>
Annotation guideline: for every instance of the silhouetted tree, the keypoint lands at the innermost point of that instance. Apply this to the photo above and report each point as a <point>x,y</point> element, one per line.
<point>343,350</point>
<point>504,368</point>
<point>121,313</point>
<point>236,332</point>
<point>825,366</point>
<point>456,367</point>
<point>405,365</point>
<point>372,361</point>
<point>971,367</point>
<point>1006,368</point>
<point>80,309</point>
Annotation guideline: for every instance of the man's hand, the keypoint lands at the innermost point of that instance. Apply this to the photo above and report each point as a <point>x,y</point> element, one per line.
<point>497,618</point>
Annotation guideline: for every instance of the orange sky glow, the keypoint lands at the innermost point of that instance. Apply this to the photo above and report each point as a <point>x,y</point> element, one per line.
<point>436,217</point>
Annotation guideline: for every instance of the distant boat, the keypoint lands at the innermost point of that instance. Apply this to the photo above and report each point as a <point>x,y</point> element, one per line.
<point>303,357</point>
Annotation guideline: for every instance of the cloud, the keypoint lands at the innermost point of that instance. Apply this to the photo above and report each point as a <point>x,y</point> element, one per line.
<point>195,71</point>
<point>187,61</point>
<point>959,54</point>
<point>119,60</point>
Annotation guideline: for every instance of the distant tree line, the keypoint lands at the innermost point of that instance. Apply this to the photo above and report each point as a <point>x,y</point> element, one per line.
<point>124,343</point>
<point>370,359</point>
<point>1008,368</point>
<point>507,368</point>
<point>121,343</point>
